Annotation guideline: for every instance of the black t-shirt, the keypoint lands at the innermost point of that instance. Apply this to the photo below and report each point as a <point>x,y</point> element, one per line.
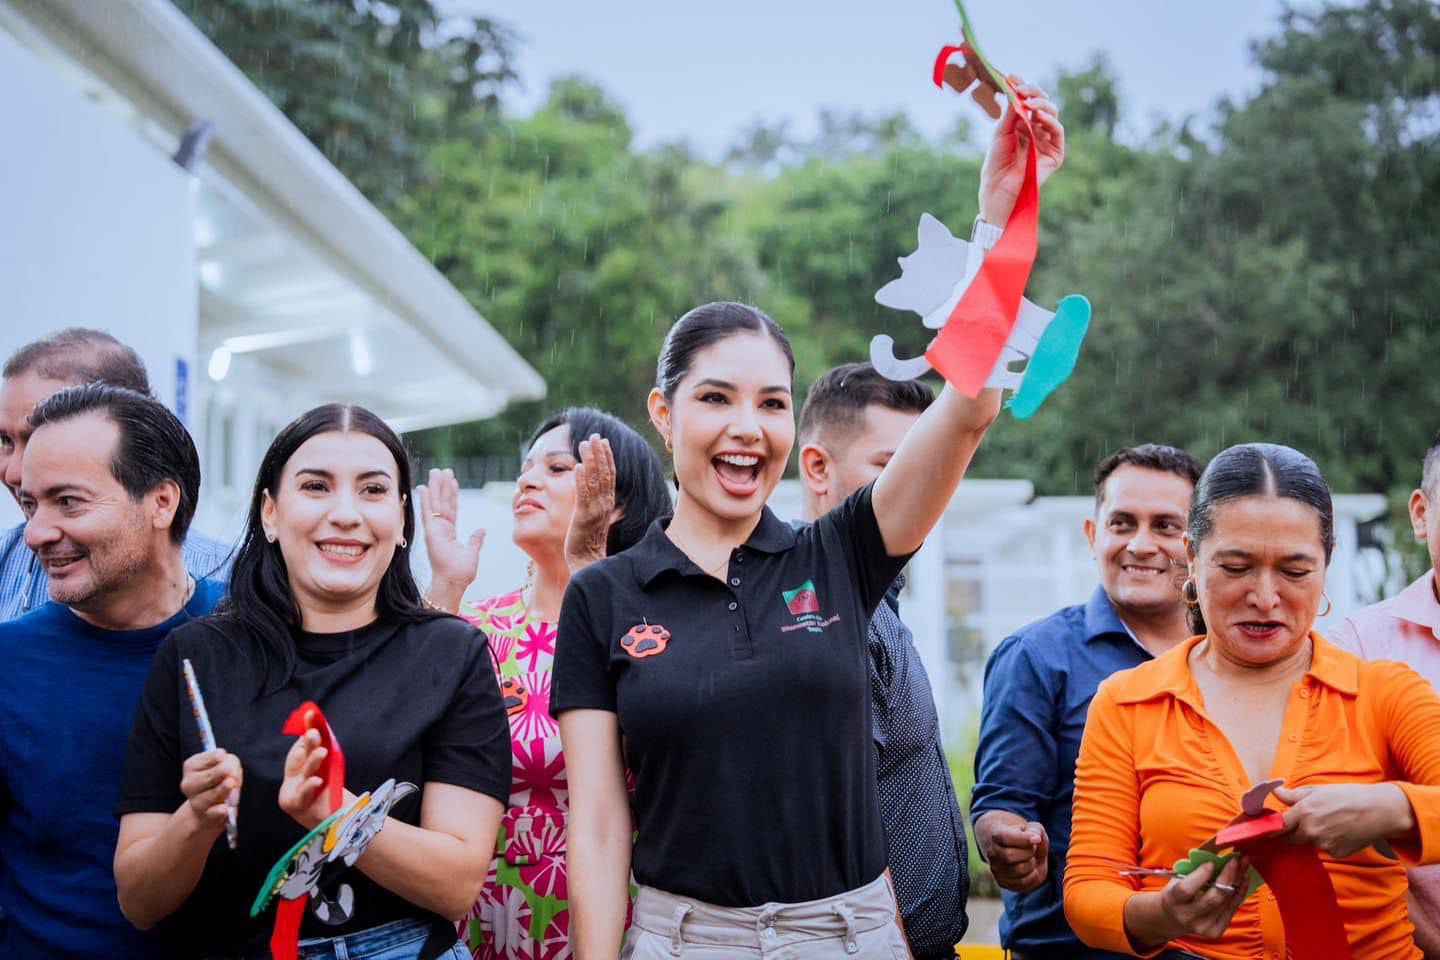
<point>744,705</point>
<point>415,701</point>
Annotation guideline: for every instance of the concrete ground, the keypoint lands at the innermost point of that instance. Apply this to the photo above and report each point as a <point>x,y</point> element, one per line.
<point>984,921</point>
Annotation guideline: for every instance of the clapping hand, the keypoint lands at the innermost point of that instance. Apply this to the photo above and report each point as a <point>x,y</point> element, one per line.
<point>595,510</point>
<point>452,562</point>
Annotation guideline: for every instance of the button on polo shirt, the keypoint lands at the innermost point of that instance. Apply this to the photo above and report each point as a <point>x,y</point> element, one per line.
<point>744,703</point>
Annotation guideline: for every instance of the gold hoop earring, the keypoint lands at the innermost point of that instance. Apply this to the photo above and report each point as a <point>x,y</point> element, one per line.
<point>1328,605</point>
<point>668,448</point>
<point>1190,593</point>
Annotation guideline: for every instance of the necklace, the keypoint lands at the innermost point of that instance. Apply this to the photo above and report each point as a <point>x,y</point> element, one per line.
<point>713,571</point>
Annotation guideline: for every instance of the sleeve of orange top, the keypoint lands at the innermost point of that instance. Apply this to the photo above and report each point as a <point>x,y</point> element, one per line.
<point>1106,829</point>
<point>1411,720</point>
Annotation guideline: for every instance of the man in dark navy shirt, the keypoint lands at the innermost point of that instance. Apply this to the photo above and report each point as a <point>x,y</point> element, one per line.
<point>109,482</point>
<point>1039,683</point>
<point>851,424</point>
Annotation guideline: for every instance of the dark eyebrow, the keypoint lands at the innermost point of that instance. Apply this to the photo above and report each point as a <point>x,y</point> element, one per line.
<point>327,475</point>
<point>61,489</point>
<point>727,385</point>
<point>1242,555</point>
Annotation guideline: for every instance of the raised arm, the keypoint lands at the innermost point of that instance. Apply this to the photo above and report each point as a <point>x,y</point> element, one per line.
<point>598,835</point>
<point>453,562</point>
<point>916,486</point>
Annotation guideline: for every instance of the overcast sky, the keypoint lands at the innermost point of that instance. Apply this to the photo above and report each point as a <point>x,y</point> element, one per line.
<point>702,72</point>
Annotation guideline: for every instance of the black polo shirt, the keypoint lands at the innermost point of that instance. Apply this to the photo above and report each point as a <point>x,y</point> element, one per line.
<point>744,705</point>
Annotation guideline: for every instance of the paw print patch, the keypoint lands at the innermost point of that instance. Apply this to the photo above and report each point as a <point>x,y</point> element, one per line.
<point>515,694</point>
<point>645,640</point>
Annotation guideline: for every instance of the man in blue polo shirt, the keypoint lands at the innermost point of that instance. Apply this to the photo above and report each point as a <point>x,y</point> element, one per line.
<point>851,424</point>
<point>1039,683</point>
<point>109,482</point>
<point>35,371</point>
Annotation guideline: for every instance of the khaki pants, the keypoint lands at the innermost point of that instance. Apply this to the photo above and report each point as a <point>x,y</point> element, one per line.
<point>860,924</point>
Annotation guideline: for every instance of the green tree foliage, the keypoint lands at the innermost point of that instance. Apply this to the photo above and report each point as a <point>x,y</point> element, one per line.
<point>373,83</point>
<point>1267,271</point>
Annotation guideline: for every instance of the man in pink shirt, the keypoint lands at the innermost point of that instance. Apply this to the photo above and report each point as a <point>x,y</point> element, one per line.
<point>1406,628</point>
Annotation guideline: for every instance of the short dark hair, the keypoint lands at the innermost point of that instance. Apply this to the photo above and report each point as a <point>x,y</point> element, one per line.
<point>153,446</point>
<point>640,489</point>
<point>706,324</point>
<point>1261,469</point>
<point>838,400</point>
<point>81,355</point>
<point>260,600</point>
<point>1430,473</point>
<point>1150,456</point>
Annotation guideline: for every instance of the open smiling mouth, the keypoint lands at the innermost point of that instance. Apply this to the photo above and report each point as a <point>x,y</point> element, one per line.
<point>342,552</point>
<point>1261,629</point>
<point>59,563</point>
<point>738,473</point>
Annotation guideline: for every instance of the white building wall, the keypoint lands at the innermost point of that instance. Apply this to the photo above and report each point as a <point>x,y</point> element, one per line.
<point>96,230</point>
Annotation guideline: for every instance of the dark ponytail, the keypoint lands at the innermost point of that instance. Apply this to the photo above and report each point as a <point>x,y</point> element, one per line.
<point>706,324</point>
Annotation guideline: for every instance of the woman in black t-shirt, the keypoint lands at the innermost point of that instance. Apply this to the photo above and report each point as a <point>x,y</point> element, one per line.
<point>322,608</point>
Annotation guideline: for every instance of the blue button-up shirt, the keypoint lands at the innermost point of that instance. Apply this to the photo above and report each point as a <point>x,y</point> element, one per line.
<point>924,828</point>
<point>24,585</point>
<point>1038,687</point>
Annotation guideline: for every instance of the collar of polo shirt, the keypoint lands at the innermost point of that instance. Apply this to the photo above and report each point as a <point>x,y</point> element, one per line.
<point>656,553</point>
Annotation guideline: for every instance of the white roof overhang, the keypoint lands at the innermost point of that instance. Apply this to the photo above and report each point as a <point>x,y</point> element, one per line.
<point>296,267</point>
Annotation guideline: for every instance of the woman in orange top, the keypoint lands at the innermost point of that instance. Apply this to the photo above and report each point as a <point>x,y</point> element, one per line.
<point>1172,745</point>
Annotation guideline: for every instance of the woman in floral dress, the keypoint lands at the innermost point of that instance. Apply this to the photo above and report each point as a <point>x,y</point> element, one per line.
<point>589,487</point>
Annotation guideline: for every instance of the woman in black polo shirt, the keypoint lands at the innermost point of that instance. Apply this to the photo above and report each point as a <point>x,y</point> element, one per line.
<point>728,650</point>
<point>724,658</point>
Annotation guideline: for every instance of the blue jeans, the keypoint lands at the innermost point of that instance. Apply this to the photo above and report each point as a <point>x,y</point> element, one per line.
<point>400,940</point>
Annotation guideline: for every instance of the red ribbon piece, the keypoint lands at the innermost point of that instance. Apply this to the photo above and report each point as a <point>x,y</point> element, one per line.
<point>1302,888</point>
<point>940,62</point>
<point>285,938</point>
<point>289,914</point>
<point>969,345</point>
<point>308,716</point>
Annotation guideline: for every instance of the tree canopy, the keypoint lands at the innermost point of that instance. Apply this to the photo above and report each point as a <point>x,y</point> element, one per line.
<point>1266,271</point>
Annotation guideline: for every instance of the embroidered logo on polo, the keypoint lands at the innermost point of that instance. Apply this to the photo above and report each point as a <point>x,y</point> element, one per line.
<point>804,605</point>
<point>645,640</point>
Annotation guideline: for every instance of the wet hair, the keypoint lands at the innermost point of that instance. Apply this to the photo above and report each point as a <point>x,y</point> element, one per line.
<point>640,489</point>
<point>153,445</point>
<point>260,601</point>
<point>836,403</point>
<point>1149,456</point>
<point>1259,470</point>
<point>80,355</point>
<point>707,324</point>
<point>1430,476</point>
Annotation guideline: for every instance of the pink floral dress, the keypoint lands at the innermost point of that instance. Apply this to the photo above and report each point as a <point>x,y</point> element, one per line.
<point>523,912</point>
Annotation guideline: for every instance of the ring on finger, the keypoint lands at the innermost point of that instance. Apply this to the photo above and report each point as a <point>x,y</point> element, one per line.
<point>1224,887</point>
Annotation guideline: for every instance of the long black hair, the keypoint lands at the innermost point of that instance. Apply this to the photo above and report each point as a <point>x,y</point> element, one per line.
<point>260,600</point>
<point>640,489</point>
<point>1257,470</point>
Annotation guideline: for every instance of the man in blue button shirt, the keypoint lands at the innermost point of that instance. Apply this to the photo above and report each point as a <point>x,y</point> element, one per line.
<point>851,424</point>
<point>1039,683</point>
<point>34,372</point>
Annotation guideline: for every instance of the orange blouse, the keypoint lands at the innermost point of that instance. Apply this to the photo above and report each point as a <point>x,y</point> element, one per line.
<point>1156,777</point>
